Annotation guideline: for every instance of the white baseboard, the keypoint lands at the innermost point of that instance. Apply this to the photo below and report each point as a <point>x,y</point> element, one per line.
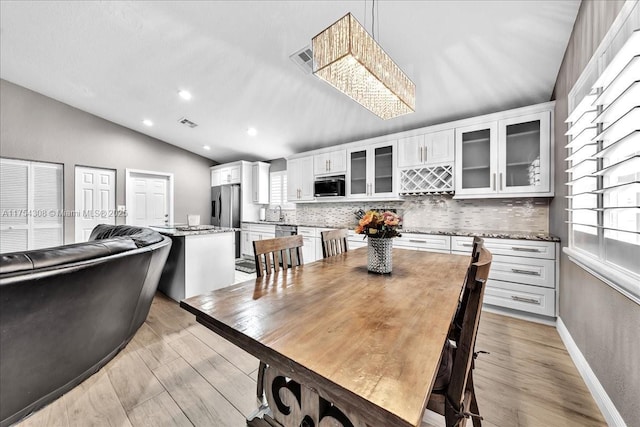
<point>608,409</point>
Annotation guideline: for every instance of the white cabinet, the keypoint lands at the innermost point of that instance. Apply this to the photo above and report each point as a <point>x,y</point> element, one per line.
<point>246,248</point>
<point>423,242</point>
<point>523,273</point>
<point>216,177</point>
<point>371,171</point>
<point>300,179</point>
<point>309,240</point>
<point>260,187</point>
<point>427,149</point>
<point>356,241</point>
<point>251,232</point>
<point>226,174</point>
<point>331,163</point>
<point>502,158</point>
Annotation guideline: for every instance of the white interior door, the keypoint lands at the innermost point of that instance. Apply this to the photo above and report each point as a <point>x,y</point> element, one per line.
<point>149,200</point>
<point>95,200</point>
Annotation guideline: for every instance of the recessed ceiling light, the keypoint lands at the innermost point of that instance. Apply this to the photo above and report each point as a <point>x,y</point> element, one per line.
<point>206,147</point>
<point>147,122</point>
<point>186,95</point>
<point>252,131</point>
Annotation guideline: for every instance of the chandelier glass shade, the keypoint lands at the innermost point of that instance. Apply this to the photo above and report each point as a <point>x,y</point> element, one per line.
<point>349,59</point>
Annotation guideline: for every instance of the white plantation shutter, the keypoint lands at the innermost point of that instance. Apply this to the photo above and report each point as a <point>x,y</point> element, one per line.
<point>278,190</point>
<point>276,194</point>
<point>31,202</point>
<point>604,167</point>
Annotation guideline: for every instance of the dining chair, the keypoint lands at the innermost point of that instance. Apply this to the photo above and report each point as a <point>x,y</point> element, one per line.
<point>456,325</point>
<point>334,242</point>
<point>271,254</point>
<point>453,394</point>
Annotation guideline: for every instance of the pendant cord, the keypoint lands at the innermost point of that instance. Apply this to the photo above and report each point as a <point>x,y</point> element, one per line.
<point>373,19</point>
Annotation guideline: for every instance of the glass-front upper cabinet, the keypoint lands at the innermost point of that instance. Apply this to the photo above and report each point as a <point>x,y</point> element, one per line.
<point>503,158</point>
<point>358,173</point>
<point>371,171</point>
<point>477,158</point>
<point>524,154</point>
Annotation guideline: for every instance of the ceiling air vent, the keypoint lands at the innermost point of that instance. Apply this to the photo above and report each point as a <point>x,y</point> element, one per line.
<point>304,59</point>
<point>187,122</point>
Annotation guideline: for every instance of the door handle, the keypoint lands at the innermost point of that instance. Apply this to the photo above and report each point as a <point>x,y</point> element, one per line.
<point>329,165</point>
<point>219,206</point>
<point>420,151</point>
<point>426,157</point>
<point>493,185</point>
<point>500,181</point>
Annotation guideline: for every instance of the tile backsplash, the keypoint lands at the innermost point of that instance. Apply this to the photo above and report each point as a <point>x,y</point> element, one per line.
<point>433,213</point>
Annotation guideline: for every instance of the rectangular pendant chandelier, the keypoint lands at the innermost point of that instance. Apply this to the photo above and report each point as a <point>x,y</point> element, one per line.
<point>349,59</point>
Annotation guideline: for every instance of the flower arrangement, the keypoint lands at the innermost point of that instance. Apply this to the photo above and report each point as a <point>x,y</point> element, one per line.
<point>379,224</point>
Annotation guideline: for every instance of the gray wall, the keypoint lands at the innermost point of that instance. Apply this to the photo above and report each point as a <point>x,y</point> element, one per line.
<point>35,127</point>
<point>604,324</point>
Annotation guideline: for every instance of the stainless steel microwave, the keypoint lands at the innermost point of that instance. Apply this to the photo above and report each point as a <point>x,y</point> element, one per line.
<point>329,186</point>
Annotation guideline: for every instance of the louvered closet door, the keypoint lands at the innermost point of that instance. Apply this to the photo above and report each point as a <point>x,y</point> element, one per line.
<point>31,215</point>
<point>14,205</point>
<point>46,230</point>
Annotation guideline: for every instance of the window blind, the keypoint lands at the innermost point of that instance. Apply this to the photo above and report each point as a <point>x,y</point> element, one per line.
<point>604,164</point>
<point>278,190</point>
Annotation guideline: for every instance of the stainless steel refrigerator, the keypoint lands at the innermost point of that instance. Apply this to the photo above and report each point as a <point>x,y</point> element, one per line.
<point>225,209</point>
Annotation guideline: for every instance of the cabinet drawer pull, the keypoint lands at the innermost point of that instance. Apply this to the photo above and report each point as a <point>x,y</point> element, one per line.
<point>417,241</point>
<point>521,249</point>
<point>529,272</point>
<point>528,300</point>
<point>467,245</point>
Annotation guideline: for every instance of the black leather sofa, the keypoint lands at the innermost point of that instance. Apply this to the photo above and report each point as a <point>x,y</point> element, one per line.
<point>66,311</point>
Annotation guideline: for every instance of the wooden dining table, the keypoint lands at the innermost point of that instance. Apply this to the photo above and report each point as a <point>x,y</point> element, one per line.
<point>343,346</point>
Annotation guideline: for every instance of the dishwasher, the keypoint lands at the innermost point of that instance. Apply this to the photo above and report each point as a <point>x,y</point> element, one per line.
<point>283,231</point>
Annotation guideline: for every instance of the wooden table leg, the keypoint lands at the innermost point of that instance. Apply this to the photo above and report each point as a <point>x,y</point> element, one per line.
<point>291,404</point>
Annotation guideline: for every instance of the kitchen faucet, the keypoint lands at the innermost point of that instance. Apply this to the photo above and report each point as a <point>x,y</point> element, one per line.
<point>280,217</point>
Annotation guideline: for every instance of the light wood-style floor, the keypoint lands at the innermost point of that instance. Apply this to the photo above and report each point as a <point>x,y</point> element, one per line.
<point>176,372</point>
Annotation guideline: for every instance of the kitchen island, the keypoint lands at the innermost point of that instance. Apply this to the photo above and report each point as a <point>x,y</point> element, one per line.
<point>202,259</point>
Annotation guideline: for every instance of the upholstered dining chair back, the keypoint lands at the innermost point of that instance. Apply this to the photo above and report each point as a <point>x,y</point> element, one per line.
<point>281,252</point>
<point>457,399</point>
<point>334,242</point>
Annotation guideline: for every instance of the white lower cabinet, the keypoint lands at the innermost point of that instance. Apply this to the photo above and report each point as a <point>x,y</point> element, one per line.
<point>251,232</point>
<point>423,242</point>
<point>356,241</point>
<point>532,299</point>
<point>309,253</point>
<point>523,273</point>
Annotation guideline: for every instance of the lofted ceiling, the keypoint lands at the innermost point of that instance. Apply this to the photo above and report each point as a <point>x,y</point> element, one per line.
<point>125,61</point>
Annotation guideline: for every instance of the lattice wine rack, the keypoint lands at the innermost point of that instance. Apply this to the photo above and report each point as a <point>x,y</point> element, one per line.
<point>432,179</point>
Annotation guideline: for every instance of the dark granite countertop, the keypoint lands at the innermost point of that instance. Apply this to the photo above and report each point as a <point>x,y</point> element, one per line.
<point>516,235</point>
<point>183,230</point>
